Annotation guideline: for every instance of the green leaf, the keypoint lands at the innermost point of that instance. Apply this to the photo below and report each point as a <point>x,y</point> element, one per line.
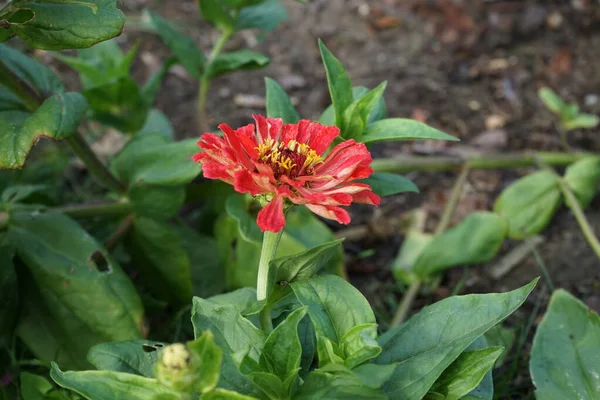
<point>238,206</point>
<point>342,385</point>
<point>118,103</point>
<point>264,16</point>
<point>152,159</point>
<point>338,81</point>
<point>501,336</point>
<point>181,45</point>
<point>86,302</point>
<point>565,357</point>
<point>213,12</point>
<point>48,24</point>
<point>233,334</point>
<point>378,112</point>
<point>35,387</point>
<point>244,300</point>
<point>360,345</point>
<point>157,122</point>
<point>207,365</point>
<point>33,72</point>
<point>207,272</point>
<point>413,245</point>
<point>110,385</point>
<point>334,305</point>
<point>401,129</point>
<point>279,104</point>
<point>529,204</point>
<point>465,373</point>
<point>474,240</point>
<point>9,295</point>
<point>582,121</point>
<point>157,250</point>
<point>356,115</point>
<point>552,100</point>
<point>57,118</point>
<point>222,394</point>
<point>132,357</point>
<point>152,86</point>
<point>583,178</point>
<point>387,184</point>
<point>237,60</point>
<point>18,193</point>
<point>158,202</point>
<point>269,384</point>
<point>426,344</point>
<point>282,351</point>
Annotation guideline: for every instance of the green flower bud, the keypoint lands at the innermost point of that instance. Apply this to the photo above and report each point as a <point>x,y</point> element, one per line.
<point>175,369</point>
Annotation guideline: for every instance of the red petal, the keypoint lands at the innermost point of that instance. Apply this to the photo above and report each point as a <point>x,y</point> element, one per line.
<point>247,182</point>
<point>233,140</point>
<point>271,217</point>
<point>303,131</point>
<point>213,170</point>
<point>267,128</point>
<point>322,137</point>
<point>289,132</point>
<point>366,197</point>
<point>336,213</point>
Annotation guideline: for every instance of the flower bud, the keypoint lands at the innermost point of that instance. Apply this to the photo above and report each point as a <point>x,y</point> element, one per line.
<point>175,368</point>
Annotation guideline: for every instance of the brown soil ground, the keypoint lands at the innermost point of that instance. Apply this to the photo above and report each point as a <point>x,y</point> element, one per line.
<point>470,68</point>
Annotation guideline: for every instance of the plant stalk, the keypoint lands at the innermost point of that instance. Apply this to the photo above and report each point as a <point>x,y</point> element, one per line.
<point>488,161</point>
<point>30,97</point>
<point>204,85</point>
<point>104,209</point>
<point>94,165</point>
<point>406,303</point>
<point>269,248</point>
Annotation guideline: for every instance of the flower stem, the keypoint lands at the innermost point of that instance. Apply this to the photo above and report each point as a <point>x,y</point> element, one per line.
<point>488,161</point>
<point>94,165</point>
<point>109,208</point>
<point>269,248</point>
<point>406,303</point>
<point>204,85</point>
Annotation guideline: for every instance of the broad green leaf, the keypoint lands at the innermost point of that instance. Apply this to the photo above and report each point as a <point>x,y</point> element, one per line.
<point>87,302</point>
<point>181,45</point>
<point>565,357</point>
<point>57,118</point>
<point>207,363</point>
<point>9,295</point>
<point>238,207</point>
<point>585,121</point>
<point>222,394</point>
<point>387,184</point>
<point>33,72</point>
<point>111,385</point>
<point>374,375</point>
<point>474,240</point>
<point>551,100</point>
<point>18,193</point>
<point>338,81</point>
<point>269,384</point>
<point>378,112</point>
<point>118,103</point>
<point>133,356</point>
<point>35,387</point>
<point>430,341</point>
<point>237,60</point>
<point>213,12</point>
<point>244,300</point>
<point>158,202</point>
<point>401,129</point>
<point>152,159</point>
<point>233,334</point>
<point>49,24</point>
<point>356,115</point>
<point>501,336</point>
<point>342,385</point>
<point>334,305</point>
<point>264,16</point>
<point>485,389</point>
<point>413,245</point>
<point>157,251</point>
<point>465,373</point>
<point>583,178</point>
<point>157,122</point>
<point>282,351</point>
<point>279,104</point>
<point>207,272</point>
<point>529,204</point>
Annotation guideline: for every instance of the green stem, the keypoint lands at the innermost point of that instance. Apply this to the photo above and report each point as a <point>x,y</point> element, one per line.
<point>269,248</point>
<point>204,85</point>
<point>585,226</point>
<point>488,161</point>
<point>406,303</point>
<point>105,209</point>
<point>94,165</point>
<point>25,92</point>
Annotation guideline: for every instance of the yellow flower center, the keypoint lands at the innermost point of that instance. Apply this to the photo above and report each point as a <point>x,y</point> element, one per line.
<point>292,159</point>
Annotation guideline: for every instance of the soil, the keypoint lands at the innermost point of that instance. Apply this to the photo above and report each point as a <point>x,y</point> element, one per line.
<point>470,68</point>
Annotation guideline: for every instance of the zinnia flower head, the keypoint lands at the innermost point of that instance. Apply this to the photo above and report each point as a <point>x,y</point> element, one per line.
<point>286,164</point>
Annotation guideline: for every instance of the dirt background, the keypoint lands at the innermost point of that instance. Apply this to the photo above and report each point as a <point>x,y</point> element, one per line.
<point>469,68</point>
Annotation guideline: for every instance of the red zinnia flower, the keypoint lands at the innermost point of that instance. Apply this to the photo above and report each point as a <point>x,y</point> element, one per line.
<point>286,161</point>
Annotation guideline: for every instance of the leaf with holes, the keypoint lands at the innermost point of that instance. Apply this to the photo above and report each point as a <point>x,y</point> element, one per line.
<point>133,357</point>
<point>77,295</point>
<point>565,357</point>
<point>49,24</point>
